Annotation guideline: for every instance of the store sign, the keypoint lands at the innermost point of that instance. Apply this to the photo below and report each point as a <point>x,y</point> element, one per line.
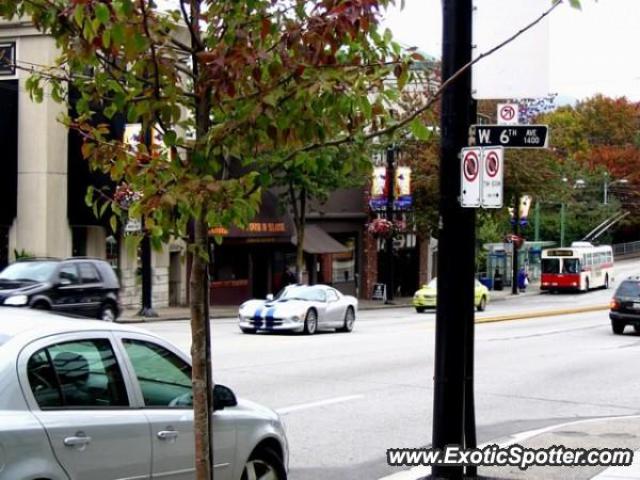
<point>7,59</point>
<point>379,292</point>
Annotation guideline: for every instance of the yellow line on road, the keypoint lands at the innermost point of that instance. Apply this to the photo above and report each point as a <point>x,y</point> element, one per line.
<point>541,313</point>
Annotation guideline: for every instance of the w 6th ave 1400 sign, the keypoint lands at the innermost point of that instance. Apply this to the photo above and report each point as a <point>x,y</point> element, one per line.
<point>510,136</point>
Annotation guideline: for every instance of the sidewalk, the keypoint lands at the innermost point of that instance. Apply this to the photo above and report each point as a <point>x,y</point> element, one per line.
<point>600,433</point>
<point>231,311</point>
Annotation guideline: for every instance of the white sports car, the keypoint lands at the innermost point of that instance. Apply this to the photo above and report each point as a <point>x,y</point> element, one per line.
<point>300,308</point>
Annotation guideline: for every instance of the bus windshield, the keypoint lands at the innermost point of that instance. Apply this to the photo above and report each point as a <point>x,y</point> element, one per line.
<point>550,265</point>
<point>570,265</point>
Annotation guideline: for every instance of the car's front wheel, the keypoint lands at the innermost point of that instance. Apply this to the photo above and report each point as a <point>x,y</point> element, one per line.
<point>483,304</point>
<point>617,327</point>
<point>107,313</point>
<point>311,322</point>
<point>264,464</point>
<point>349,320</point>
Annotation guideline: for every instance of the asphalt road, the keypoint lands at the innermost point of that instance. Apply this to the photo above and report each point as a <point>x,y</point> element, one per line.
<point>346,398</point>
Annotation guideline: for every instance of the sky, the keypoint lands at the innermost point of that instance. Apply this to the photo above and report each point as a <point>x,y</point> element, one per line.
<point>593,50</point>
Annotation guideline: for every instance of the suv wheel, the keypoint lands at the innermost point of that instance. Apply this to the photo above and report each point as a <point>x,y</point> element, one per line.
<point>617,327</point>
<point>107,313</point>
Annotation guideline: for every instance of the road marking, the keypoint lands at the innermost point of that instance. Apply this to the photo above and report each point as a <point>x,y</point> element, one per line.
<point>540,314</point>
<point>320,403</point>
<point>417,473</point>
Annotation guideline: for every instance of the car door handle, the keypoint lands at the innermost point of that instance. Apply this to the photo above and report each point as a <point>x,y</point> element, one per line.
<point>167,434</point>
<point>77,441</point>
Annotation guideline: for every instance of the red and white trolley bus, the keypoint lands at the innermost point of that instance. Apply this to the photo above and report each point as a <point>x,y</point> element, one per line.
<point>579,267</point>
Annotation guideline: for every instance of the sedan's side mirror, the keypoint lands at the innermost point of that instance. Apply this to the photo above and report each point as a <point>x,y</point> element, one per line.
<point>223,397</point>
<point>270,297</point>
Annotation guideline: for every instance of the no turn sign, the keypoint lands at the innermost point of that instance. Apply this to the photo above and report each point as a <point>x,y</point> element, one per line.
<point>508,114</point>
<point>470,179</point>
<point>492,177</point>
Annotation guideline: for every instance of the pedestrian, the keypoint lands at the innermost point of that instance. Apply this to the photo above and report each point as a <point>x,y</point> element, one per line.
<point>523,279</point>
<point>497,280</point>
<point>289,277</point>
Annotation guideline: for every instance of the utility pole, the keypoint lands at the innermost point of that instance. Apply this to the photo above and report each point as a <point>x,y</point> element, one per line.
<point>453,424</point>
<point>145,250</point>
<point>514,244</point>
<point>391,184</point>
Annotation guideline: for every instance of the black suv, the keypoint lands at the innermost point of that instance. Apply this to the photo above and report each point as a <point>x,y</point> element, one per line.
<point>625,306</point>
<point>80,286</point>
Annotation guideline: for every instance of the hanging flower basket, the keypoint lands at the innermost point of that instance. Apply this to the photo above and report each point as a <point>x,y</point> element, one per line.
<point>124,196</point>
<point>381,228</point>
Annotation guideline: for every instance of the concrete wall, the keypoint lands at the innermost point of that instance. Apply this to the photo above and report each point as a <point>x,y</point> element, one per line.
<point>41,225</point>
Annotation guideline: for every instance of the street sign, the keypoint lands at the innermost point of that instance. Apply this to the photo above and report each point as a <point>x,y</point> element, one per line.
<point>133,225</point>
<point>470,177</point>
<point>492,172</point>
<point>511,136</point>
<point>520,69</point>
<point>508,113</point>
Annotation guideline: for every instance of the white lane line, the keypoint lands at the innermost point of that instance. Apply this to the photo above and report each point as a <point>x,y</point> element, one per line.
<point>320,403</point>
<point>622,473</point>
<point>522,436</point>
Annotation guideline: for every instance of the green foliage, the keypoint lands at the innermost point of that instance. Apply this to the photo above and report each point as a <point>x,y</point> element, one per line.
<point>266,88</point>
<point>22,254</point>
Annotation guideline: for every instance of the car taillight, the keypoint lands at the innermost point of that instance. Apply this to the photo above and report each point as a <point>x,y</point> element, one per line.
<point>614,304</point>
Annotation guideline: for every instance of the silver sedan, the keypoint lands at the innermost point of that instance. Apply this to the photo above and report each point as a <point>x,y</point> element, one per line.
<point>300,308</point>
<point>94,400</point>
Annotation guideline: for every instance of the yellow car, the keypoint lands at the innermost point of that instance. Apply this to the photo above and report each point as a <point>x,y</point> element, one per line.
<point>426,296</point>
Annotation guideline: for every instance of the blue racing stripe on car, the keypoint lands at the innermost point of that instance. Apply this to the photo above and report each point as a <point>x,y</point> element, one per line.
<point>257,317</point>
<point>269,317</point>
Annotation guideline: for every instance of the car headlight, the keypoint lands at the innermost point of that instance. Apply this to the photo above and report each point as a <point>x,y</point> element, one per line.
<point>16,300</point>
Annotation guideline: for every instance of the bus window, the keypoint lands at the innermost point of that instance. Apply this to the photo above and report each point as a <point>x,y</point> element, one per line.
<point>550,265</point>
<point>570,265</point>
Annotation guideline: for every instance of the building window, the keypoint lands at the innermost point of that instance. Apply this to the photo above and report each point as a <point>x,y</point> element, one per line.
<point>344,264</point>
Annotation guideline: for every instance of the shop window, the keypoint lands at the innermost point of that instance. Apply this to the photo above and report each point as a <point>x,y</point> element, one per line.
<point>230,264</point>
<point>344,264</point>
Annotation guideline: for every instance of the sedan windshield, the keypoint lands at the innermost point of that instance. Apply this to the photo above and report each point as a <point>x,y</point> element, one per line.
<point>303,293</point>
<point>29,271</point>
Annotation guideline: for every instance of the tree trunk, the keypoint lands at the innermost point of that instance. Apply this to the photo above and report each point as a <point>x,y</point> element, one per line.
<point>300,224</point>
<point>200,354</point>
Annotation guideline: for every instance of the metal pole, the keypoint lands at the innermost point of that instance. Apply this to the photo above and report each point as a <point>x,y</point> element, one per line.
<point>391,183</point>
<point>562,220</point>
<point>536,220</point>
<point>514,258</point>
<point>456,245</point>
<point>145,254</point>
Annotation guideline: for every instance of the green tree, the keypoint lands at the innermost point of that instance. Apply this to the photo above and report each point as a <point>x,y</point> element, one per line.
<point>237,93</point>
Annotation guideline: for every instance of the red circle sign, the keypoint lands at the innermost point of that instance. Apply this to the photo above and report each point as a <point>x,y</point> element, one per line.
<point>470,166</point>
<point>492,164</point>
<point>507,112</point>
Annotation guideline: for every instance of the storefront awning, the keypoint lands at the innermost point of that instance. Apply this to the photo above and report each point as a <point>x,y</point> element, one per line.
<point>317,241</point>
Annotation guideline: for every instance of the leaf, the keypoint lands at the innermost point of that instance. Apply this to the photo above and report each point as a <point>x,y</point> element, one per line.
<point>575,4</point>
<point>88,198</point>
<point>102,13</point>
<point>419,129</point>
<point>113,222</point>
